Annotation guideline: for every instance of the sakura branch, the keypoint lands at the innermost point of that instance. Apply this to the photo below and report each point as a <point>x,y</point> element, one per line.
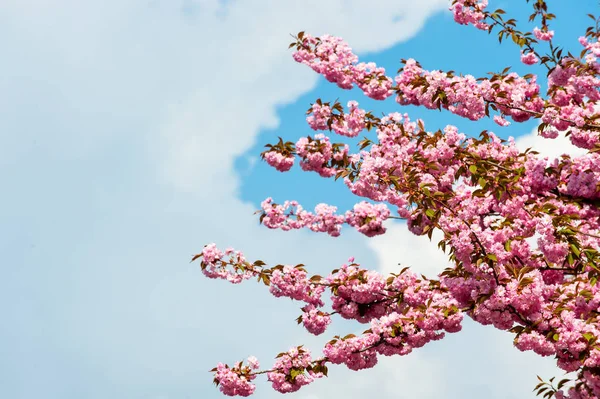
<point>522,232</point>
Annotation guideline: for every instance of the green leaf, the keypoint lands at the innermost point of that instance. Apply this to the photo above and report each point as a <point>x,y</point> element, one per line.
<point>562,382</point>
<point>555,337</point>
<point>588,336</point>
<point>296,372</point>
<point>575,250</point>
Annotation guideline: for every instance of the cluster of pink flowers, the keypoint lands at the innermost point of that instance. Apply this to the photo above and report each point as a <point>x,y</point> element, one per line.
<point>323,219</point>
<point>279,161</point>
<point>352,123</point>
<point>322,117</point>
<point>365,217</point>
<point>293,283</point>
<point>329,56</point>
<point>593,49</point>
<point>514,96</point>
<point>372,80</point>
<point>357,353</point>
<point>501,121</point>
<point>333,58</point>
<point>316,154</point>
<point>319,116</point>
<point>529,58</point>
<point>368,218</point>
<point>215,267</point>
<point>314,320</point>
<point>397,326</point>
<point>358,293</point>
<point>236,381</point>
<point>545,35</point>
<point>280,156</point>
<point>568,108</point>
<point>470,12</point>
<point>292,371</point>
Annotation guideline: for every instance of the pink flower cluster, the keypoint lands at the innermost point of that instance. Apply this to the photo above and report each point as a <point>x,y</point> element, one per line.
<point>316,154</point>
<point>314,320</point>
<point>501,121</point>
<point>319,116</point>
<point>235,381</point>
<point>213,265</point>
<point>372,80</point>
<point>329,56</point>
<point>511,94</point>
<point>357,353</point>
<point>366,218</point>
<point>352,123</point>
<point>396,326</point>
<point>593,49</point>
<point>322,220</point>
<point>573,105</point>
<point>544,35</point>
<point>529,58</point>
<point>279,161</point>
<point>469,12</point>
<point>333,58</point>
<point>514,96</point>
<point>292,282</point>
<point>357,293</point>
<point>292,371</point>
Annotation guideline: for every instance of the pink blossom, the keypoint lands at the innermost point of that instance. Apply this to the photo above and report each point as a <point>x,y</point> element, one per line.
<point>545,35</point>
<point>232,382</point>
<point>292,371</point>
<point>279,161</point>
<point>529,58</point>
<point>314,320</point>
<point>501,121</point>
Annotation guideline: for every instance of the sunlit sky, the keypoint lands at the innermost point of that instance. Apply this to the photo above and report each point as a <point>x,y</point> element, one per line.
<point>130,133</point>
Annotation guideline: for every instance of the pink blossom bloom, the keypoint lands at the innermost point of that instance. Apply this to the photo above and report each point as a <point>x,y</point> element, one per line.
<point>543,35</point>
<point>529,58</point>
<point>279,161</point>
<point>501,121</point>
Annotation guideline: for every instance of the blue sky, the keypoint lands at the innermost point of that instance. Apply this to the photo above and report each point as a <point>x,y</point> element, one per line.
<point>130,136</point>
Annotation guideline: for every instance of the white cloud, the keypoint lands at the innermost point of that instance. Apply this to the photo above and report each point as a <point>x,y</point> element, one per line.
<point>254,73</point>
<point>99,99</point>
<point>202,77</point>
<point>551,148</point>
<point>400,246</point>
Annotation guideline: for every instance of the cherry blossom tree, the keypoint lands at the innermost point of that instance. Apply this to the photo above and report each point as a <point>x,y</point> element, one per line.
<point>522,231</point>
